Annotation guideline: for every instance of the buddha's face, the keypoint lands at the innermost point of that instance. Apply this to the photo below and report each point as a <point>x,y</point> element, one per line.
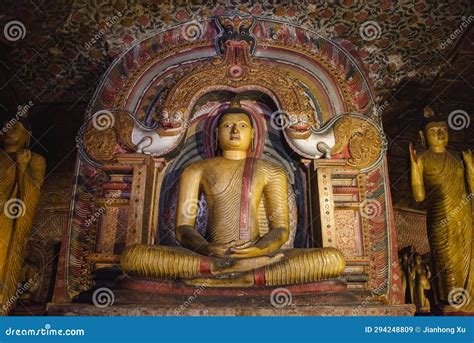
<point>418,259</point>
<point>235,132</point>
<point>436,134</point>
<point>16,136</point>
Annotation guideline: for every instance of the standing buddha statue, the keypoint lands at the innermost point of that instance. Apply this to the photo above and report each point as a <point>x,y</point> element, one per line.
<point>21,177</point>
<point>421,276</point>
<point>439,176</point>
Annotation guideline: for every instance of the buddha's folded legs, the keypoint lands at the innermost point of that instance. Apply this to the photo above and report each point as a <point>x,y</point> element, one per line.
<point>155,261</point>
<point>163,262</point>
<point>298,266</point>
<point>290,266</point>
<point>303,265</point>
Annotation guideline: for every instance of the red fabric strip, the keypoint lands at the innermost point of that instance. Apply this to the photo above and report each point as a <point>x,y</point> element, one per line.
<point>259,277</point>
<point>205,266</point>
<point>244,229</point>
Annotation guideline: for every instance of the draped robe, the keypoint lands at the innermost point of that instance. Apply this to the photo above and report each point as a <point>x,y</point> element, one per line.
<point>19,195</point>
<point>449,223</point>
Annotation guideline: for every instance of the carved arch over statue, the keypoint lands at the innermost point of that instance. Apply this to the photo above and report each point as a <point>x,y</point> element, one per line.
<point>139,117</point>
<point>326,82</point>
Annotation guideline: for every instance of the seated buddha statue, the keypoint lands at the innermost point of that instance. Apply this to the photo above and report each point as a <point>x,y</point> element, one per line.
<point>233,253</point>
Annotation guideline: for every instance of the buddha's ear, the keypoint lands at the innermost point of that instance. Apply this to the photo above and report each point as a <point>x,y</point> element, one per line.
<point>422,136</point>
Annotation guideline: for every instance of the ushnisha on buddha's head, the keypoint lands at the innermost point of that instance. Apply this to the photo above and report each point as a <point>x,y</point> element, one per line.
<point>235,130</point>
<point>435,133</point>
<point>16,136</point>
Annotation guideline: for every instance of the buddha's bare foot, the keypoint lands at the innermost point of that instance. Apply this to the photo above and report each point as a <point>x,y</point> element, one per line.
<point>228,266</point>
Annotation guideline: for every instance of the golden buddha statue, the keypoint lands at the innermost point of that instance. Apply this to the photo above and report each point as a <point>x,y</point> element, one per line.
<point>421,274</point>
<point>439,175</point>
<point>233,254</point>
<point>21,177</point>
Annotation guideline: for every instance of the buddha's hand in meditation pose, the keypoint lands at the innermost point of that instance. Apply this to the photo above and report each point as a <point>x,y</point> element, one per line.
<point>233,249</point>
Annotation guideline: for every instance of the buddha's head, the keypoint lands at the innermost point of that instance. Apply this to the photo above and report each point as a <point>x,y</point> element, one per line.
<point>418,259</point>
<point>436,134</point>
<point>235,132</point>
<point>235,129</point>
<point>435,130</point>
<point>16,135</point>
<point>405,257</point>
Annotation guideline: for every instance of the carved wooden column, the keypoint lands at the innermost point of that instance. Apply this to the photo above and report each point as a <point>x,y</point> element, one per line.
<point>337,192</point>
<point>159,166</point>
<point>127,209</point>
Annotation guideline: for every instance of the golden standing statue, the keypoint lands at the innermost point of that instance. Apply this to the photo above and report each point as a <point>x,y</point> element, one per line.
<point>420,274</point>
<point>233,254</point>
<point>439,175</point>
<point>21,177</point>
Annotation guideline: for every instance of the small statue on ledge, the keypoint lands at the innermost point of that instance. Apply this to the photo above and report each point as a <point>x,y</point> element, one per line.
<point>439,176</point>
<point>21,177</point>
<point>415,275</point>
<point>420,274</point>
<point>234,253</point>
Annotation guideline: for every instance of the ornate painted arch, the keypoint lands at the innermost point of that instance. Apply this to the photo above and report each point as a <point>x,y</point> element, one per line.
<point>157,82</point>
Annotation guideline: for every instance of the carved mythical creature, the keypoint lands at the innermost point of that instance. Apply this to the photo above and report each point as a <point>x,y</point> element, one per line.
<point>236,29</point>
